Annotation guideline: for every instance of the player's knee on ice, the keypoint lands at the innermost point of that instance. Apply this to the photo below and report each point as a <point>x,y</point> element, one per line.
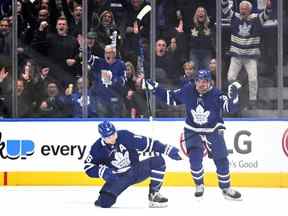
<point>105,200</point>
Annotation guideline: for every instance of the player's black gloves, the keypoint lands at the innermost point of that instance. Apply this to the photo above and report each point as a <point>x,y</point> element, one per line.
<point>233,91</point>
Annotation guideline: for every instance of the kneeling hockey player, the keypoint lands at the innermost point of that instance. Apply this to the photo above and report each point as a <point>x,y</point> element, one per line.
<point>115,158</point>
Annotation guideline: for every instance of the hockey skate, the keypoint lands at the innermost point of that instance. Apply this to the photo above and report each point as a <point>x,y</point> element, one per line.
<point>199,191</point>
<point>156,200</point>
<point>231,194</point>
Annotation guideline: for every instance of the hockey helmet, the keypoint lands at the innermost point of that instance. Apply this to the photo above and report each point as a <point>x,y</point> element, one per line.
<point>106,129</point>
<point>203,75</point>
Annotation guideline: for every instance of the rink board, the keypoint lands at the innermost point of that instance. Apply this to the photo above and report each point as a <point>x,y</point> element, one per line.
<point>38,152</point>
<point>1,178</point>
<point>171,179</point>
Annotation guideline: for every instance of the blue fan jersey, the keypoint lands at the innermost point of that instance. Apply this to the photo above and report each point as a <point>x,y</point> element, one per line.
<point>204,112</point>
<point>245,33</point>
<point>120,156</point>
<point>118,70</point>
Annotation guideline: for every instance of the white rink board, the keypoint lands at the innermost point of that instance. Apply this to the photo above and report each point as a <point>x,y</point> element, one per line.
<point>63,145</point>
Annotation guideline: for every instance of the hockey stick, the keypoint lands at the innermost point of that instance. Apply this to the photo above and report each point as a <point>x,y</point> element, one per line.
<point>114,39</point>
<point>148,103</point>
<point>140,64</point>
<point>145,10</point>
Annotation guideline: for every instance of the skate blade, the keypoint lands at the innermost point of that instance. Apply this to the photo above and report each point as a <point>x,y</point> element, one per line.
<point>157,205</point>
<point>233,199</point>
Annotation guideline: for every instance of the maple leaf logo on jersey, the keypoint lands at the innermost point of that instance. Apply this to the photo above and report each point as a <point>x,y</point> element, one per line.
<point>200,116</point>
<point>121,160</point>
<point>244,30</point>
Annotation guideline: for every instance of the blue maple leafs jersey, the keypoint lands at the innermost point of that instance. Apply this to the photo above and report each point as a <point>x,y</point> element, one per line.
<point>204,112</point>
<point>245,33</point>
<point>118,70</point>
<point>122,155</point>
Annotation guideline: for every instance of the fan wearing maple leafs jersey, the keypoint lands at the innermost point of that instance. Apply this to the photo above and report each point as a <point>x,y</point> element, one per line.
<point>115,158</point>
<point>204,125</point>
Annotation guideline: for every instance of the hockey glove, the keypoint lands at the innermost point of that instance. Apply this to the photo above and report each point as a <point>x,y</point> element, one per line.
<point>233,91</point>
<point>173,152</point>
<point>107,174</point>
<point>149,84</point>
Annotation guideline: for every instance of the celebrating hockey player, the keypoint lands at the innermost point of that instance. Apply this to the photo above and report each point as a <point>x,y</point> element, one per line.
<point>115,158</point>
<point>204,125</point>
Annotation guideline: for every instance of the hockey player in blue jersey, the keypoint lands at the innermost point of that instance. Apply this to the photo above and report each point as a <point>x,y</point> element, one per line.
<point>115,158</point>
<point>204,125</point>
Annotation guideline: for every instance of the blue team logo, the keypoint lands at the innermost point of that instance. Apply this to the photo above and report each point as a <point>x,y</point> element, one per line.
<point>14,149</point>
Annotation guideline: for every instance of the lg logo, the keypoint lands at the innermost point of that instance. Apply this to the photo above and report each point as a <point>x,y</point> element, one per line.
<point>242,143</point>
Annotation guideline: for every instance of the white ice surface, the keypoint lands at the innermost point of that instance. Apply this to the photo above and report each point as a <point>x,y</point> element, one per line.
<point>68,201</point>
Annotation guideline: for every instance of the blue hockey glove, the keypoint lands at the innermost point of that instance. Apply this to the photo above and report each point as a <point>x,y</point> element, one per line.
<point>173,152</point>
<point>233,91</point>
<point>149,84</point>
<point>107,174</point>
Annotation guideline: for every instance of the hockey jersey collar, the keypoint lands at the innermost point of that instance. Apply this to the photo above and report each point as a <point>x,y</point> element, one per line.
<point>103,142</point>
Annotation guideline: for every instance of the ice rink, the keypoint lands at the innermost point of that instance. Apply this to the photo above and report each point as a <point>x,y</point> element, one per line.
<point>80,201</point>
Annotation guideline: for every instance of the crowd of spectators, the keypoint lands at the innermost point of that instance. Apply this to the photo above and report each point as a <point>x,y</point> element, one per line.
<point>50,43</point>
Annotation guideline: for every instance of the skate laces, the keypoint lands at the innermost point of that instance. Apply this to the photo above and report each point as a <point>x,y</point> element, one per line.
<point>229,191</point>
<point>156,196</point>
<point>231,194</point>
<point>199,188</point>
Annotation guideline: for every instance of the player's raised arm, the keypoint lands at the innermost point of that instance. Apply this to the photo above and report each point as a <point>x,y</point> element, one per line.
<point>169,96</point>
